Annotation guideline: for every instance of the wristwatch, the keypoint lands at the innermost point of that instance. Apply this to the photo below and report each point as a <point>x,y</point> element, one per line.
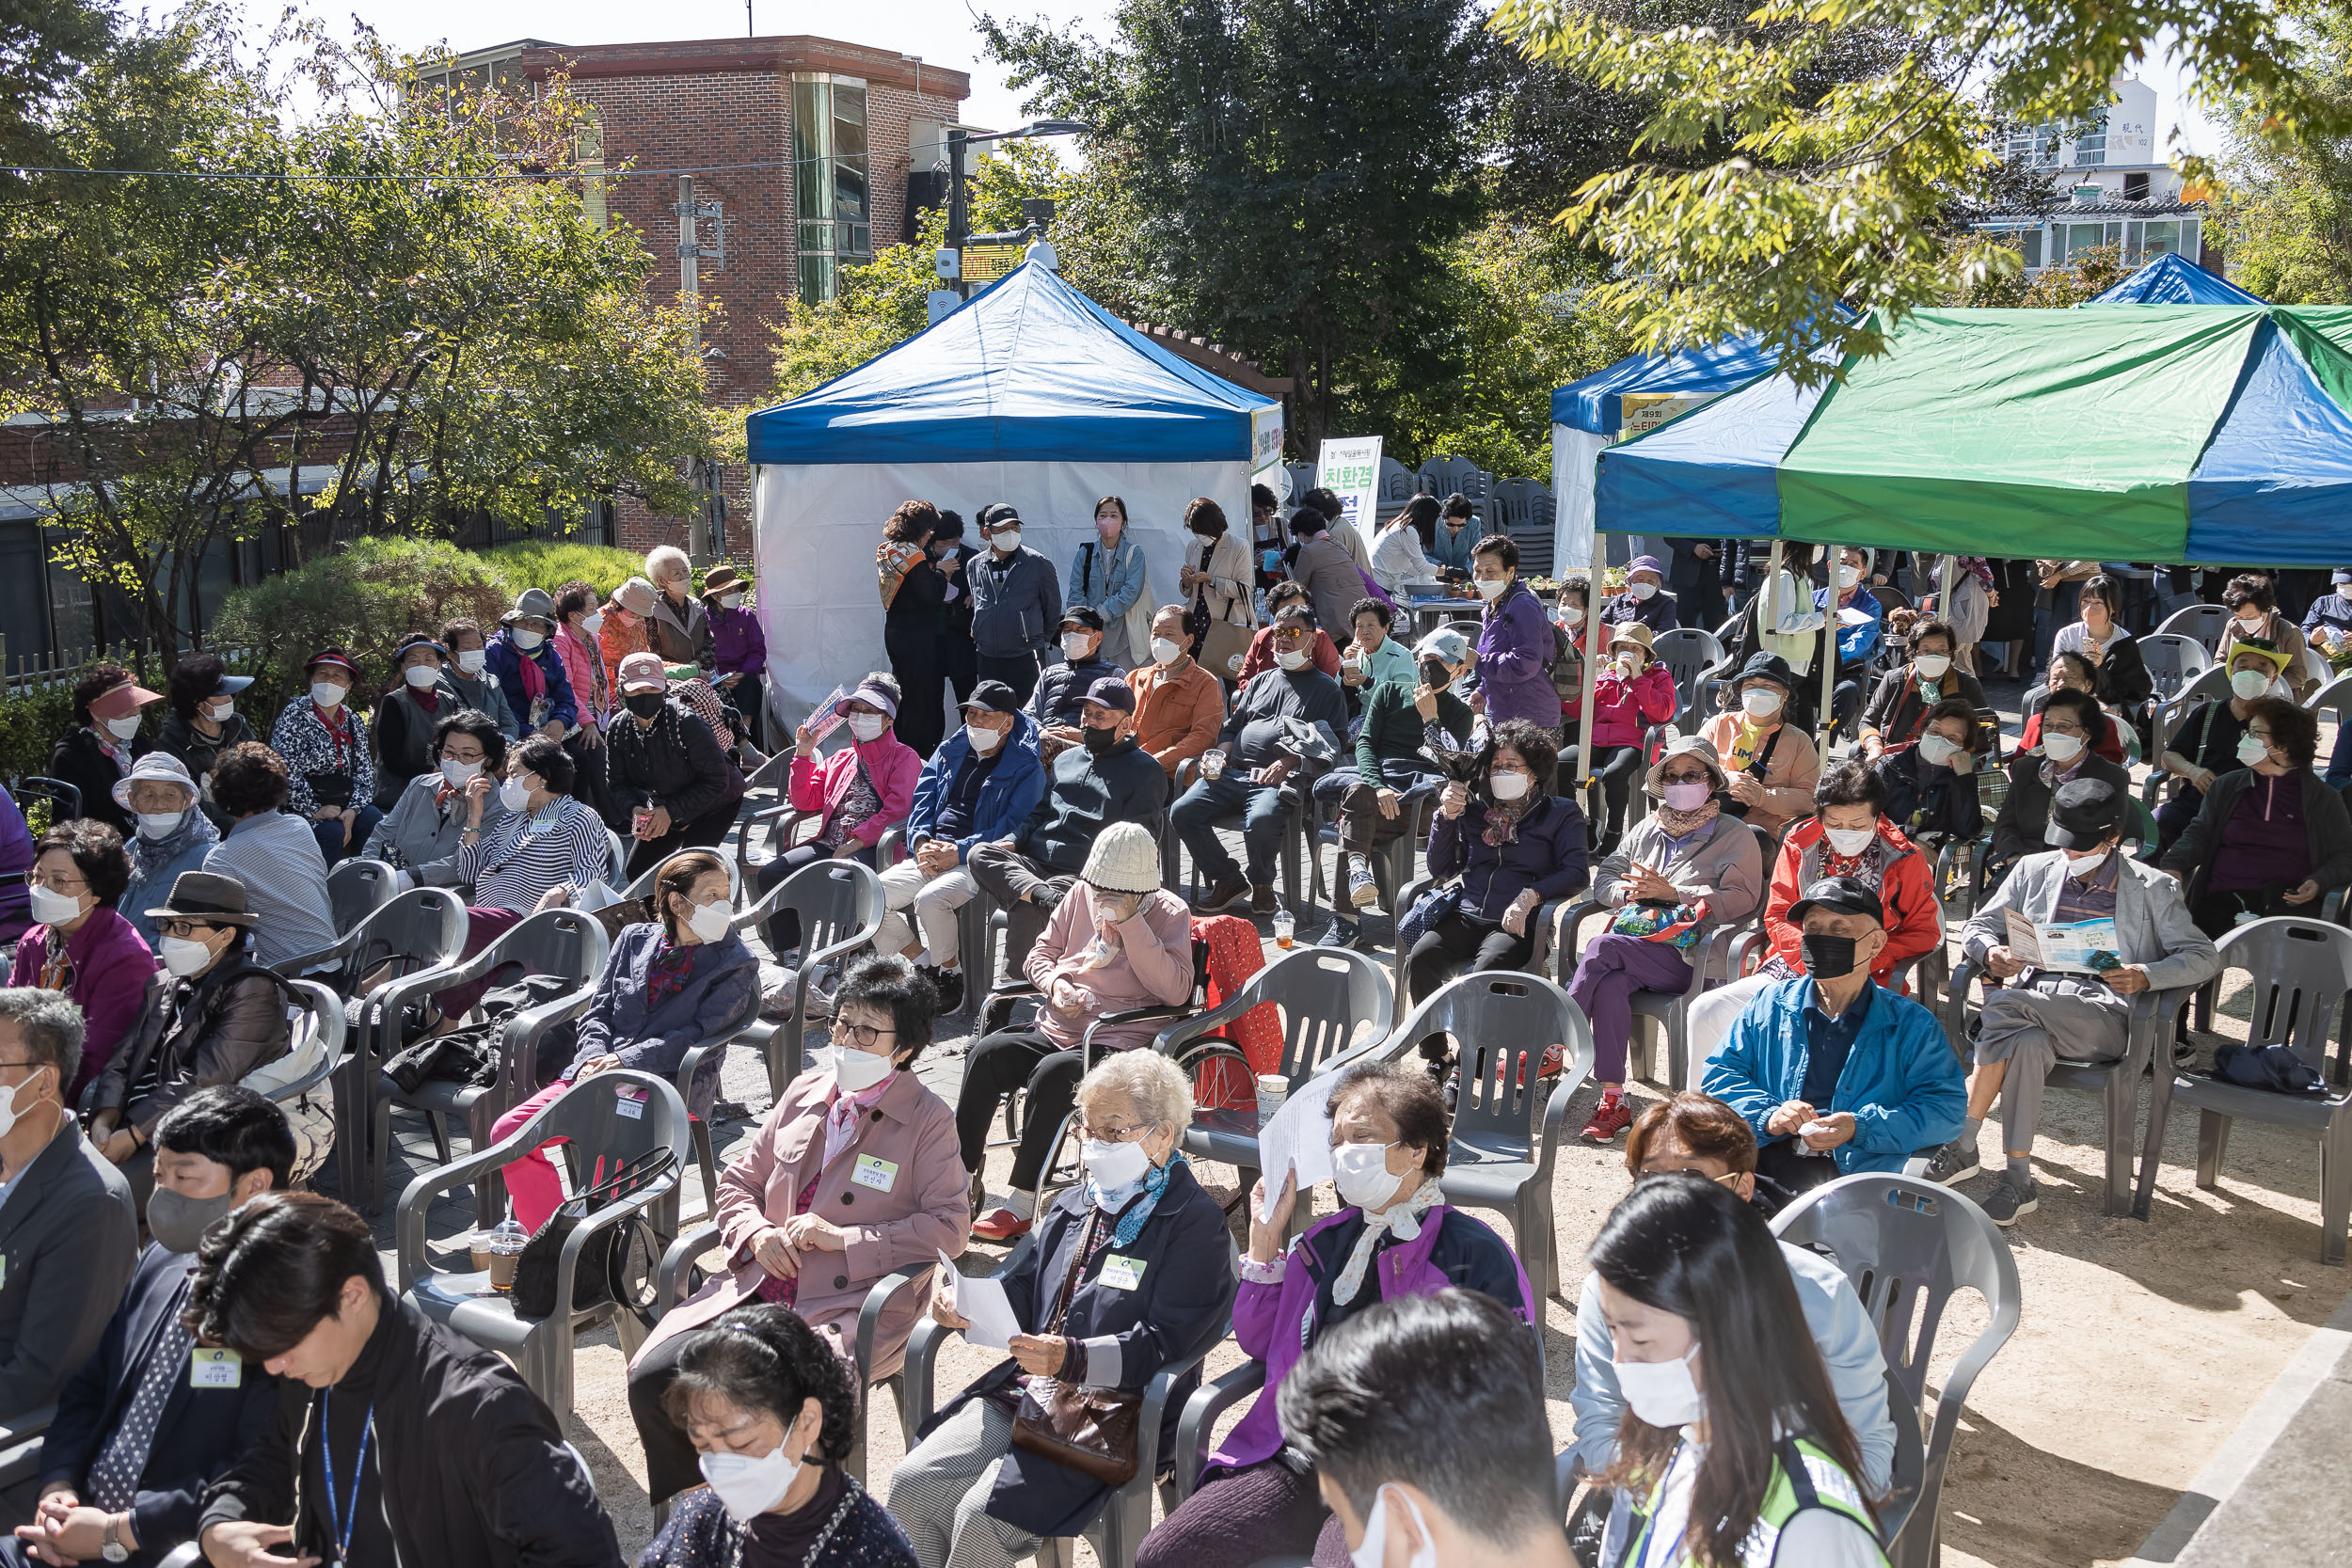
<point>113,1550</point>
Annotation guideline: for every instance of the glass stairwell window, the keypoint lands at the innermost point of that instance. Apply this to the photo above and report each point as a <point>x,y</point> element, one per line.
<point>832,182</point>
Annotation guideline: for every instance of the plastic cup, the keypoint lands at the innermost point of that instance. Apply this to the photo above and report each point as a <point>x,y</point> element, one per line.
<point>1273,1089</point>
<point>1284,926</point>
<point>478,1247</point>
<point>1212,764</point>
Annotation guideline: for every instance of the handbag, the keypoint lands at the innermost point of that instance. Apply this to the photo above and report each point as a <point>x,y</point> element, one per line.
<point>1091,1431</point>
<point>1222,648</point>
<point>601,1275</point>
<point>1429,908</point>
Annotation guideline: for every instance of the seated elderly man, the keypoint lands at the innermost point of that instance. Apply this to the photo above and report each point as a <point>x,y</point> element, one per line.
<point>1057,704</point>
<point>1834,1073</point>
<point>1179,704</point>
<point>2039,1018</point>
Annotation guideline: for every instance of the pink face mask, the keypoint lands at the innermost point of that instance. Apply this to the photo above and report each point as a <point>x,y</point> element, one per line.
<point>1687,797</point>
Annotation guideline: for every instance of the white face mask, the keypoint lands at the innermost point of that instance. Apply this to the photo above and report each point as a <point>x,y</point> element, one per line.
<point>160,824</point>
<point>1166,652</point>
<point>1849,841</point>
<point>858,1071</point>
<point>184,956</point>
<point>1664,1393</point>
<point>1360,1171</point>
<point>1491,587</point>
<point>728,601</point>
<point>1932,666</point>
<point>526,640</point>
<point>1114,1167</point>
<point>1509,787</point>
<point>749,1484</point>
<point>1374,1553</point>
<point>867,726</point>
<point>1073,646</point>
<point>9,1115</point>
<point>983,741</point>
<point>2061,749</point>
<point>709,922</point>
<point>472,661</point>
<point>123,729</point>
<point>419,677</point>
<point>2253,626</point>
<point>1005,541</point>
<point>328,694</point>
<point>2246,685</point>
<point>1849,576</point>
<point>2088,864</point>
<point>591,624</point>
<point>459,774</point>
<point>1935,750</point>
<point>1643,590</point>
<point>1291,660</point>
<point>2251,750</point>
<point>52,908</point>
<point>1759,704</point>
<point>1572,617</point>
<point>223,712</point>
<point>515,795</point>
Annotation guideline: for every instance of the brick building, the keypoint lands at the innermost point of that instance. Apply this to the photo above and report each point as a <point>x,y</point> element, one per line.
<point>812,147</point>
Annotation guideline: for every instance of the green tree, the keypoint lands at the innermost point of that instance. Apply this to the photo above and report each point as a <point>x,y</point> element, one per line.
<point>2284,216</point>
<point>875,308</point>
<point>45,44</point>
<point>1838,195</point>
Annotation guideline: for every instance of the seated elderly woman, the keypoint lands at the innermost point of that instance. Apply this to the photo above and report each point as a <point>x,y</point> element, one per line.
<point>771,1413</point>
<point>421,836</point>
<point>2067,724</point>
<point>217,1019</point>
<point>857,1160</point>
<point>1128,1274</point>
<point>859,793</point>
<point>1514,843</point>
<point>2072,673</point>
<point>1116,941</point>
<point>174,834</point>
<point>667,986</point>
<point>1683,870</point>
<point>82,945</point>
<point>1392,1236</point>
<point>1932,785</point>
<point>2271,837</point>
<point>2211,742</point>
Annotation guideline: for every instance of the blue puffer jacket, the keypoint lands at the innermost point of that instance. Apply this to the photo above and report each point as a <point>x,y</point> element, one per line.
<point>1901,1082</point>
<point>1010,792</point>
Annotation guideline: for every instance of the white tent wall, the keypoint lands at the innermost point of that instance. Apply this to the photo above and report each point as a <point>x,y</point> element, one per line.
<point>818,526</point>
<point>1575,455</point>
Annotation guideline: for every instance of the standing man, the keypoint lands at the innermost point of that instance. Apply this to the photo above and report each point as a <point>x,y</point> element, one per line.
<point>1016,604</point>
<point>394,1440</point>
<point>1697,579</point>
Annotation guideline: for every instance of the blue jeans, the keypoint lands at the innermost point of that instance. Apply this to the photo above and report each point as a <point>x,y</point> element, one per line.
<point>2340,760</point>
<point>1213,801</point>
<point>335,847</point>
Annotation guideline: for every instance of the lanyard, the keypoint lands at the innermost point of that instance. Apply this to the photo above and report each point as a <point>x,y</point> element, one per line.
<point>336,1522</point>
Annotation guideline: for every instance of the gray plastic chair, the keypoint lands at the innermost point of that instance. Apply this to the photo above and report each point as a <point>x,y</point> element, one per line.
<point>1331,999</point>
<point>2173,661</point>
<point>677,1281</point>
<point>318,1041</point>
<point>356,889</point>
<point>2116,1083</point>
<point>413,931</point>
<point>1687,653</point>
<point>698,1084</point>
<point>590,1116</point>
<point>2334,697</point>
<point>2301,970</point>
<point>2166,718</point>
<point>563,942</point>
<point>1501,1156</point>
<point>2205,624</point>
<point>1907,1245</point>
<point>842,905</point>
<point>1445,476</point>
<point>642,886</point>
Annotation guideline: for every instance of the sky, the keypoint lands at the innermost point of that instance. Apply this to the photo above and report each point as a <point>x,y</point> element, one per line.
<point>942,31</point>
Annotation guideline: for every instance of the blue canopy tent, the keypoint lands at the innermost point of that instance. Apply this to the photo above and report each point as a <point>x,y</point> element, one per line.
<point>2169,280</point>
<point>1029,393</point>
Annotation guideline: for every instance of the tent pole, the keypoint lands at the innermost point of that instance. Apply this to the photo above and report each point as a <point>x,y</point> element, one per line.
<point>1834,561</point>
<point>1593,651</point>
<point>1944,586</point>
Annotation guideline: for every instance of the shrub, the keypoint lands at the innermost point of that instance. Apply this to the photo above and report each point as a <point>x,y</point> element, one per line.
<point>366,596</point>
<point>550,563</point>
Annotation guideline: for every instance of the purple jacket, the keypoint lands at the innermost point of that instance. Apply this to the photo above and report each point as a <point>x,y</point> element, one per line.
<point>1274,1323</point>
<point>1548,853</point>
<point>111,965</point>
<point>16,861</point>
<point>1515,649</point>
<point>738,643</point>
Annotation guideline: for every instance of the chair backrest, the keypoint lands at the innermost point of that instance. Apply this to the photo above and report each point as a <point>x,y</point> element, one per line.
<point>65,799</point>
<point>568,944</point>
<point>1907,1245</point>
<point>2173,661</point>
<point>317,1045</point>
<point>356,888</point>
<point>1890,597</point>
<point>1520,1014</point>
<point>835,899</point>
<point>2334,697</point>
<point>642,886</point>
<point>615,1116</point>
<point>2300,969</point>
<point>616,856</point>
<point>1509,503</point>
<point>1397,483</point>
<point>2205,622</point>
<point>1687,651</point>
<point>1443,476</point>
<point>2211,686</point>
<point>415,932</point>
<point>1324,995</point>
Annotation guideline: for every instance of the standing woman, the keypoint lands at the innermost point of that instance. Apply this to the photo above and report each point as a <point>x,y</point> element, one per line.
<point>97,753</point>
<point>1108,576</point>
<point>1515,643</point>
<point>739,649</point>
<point>204,721</point>
<point>1216,574</point>
<point>679,626</point>
<point>913,595</point>
<point>1731,1423</point>
<point>1269,541</point>
<point>1400,555</point>
<point>1783,621</point>
<point>577,623</point>
<point>330,779</point>
<point>82,946</point>
<point>623,631</point>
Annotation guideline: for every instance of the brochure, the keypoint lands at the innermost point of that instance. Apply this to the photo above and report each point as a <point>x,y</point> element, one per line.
<point>2077,947</point>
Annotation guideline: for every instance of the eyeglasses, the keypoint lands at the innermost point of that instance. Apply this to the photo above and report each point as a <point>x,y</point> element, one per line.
<point>864,1035</point>
<point>70,882</point>
<point>197,928</point>
<point>1113,1134</point>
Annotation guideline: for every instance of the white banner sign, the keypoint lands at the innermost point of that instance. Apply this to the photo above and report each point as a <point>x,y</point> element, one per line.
<point>1350,470</point>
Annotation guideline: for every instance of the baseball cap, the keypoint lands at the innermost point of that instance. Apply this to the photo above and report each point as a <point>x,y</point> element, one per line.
<point>993,697</point>
<point>643,672</point>
<point>1112,691</point>
<point>1838,895</point>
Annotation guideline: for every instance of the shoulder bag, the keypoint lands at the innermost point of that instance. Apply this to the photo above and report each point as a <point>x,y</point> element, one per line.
<point>608,1266</point>
<point>1091,1431</point>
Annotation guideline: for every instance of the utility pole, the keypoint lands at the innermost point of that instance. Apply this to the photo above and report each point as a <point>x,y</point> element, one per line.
<point>956,221</point>
<point>701,533</point>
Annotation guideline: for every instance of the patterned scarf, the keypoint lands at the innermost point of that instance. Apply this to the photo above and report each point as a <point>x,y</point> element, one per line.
<point>1130,1223</point>
<point>1682,824</point>
<point>1400,1220</point>
<point>1503,818</point>
<point>149,856</point>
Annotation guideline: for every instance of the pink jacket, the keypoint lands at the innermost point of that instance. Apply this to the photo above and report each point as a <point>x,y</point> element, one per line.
<point>911,1205</point>
<point>576,654</point>
<point>1622,710</point>
<point>820,783</point>
<point>1152,968</point>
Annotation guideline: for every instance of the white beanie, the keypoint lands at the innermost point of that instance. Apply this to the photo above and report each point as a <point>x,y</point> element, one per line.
<point>1125,858</point>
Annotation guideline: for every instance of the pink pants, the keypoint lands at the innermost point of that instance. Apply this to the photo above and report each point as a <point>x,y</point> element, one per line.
<point>533,1181</point>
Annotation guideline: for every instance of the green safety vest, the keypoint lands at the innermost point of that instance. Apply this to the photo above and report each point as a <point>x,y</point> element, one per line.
<point>1803,1476</point>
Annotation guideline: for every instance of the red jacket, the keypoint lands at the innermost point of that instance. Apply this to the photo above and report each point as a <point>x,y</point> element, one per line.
<point>1623,710</point>
<point>1912,924</point>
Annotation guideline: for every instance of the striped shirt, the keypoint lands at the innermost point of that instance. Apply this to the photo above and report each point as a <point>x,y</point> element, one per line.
<point>562,844</point>
<point>276,858</point>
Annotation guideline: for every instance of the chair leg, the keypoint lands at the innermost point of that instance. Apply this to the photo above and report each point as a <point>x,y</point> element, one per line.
<point>1678,1044</point>
<point>2121,1094</point>
<point>708,1159</point>
<point>2213,1143</point>
<point>379,1141</point>
<point>440,1136</point>
<point>1533,1239</point>
<point>2335,1190</point>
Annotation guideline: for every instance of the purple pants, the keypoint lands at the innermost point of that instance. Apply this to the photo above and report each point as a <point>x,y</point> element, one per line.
<point>1612,969</point>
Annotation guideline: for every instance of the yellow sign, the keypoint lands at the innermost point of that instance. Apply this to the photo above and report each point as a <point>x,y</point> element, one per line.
<point>986,263</point>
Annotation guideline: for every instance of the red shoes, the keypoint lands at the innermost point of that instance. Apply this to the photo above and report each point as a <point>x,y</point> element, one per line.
<point>1003,1225</point>
<point>1612,1117</point>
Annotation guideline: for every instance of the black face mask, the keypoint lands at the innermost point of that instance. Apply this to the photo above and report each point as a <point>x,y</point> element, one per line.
<point>644,704</point>
<point>1436,675</point>
<point>1098,742</point>
<point>1828,957</point>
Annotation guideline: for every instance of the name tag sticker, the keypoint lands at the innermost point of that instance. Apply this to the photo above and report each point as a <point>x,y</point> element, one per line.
<point>1121,1273</point>
<point>209,1367</point>
<point>880,1175</point>
<point>629,1103</point>
<point>538,826</point>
